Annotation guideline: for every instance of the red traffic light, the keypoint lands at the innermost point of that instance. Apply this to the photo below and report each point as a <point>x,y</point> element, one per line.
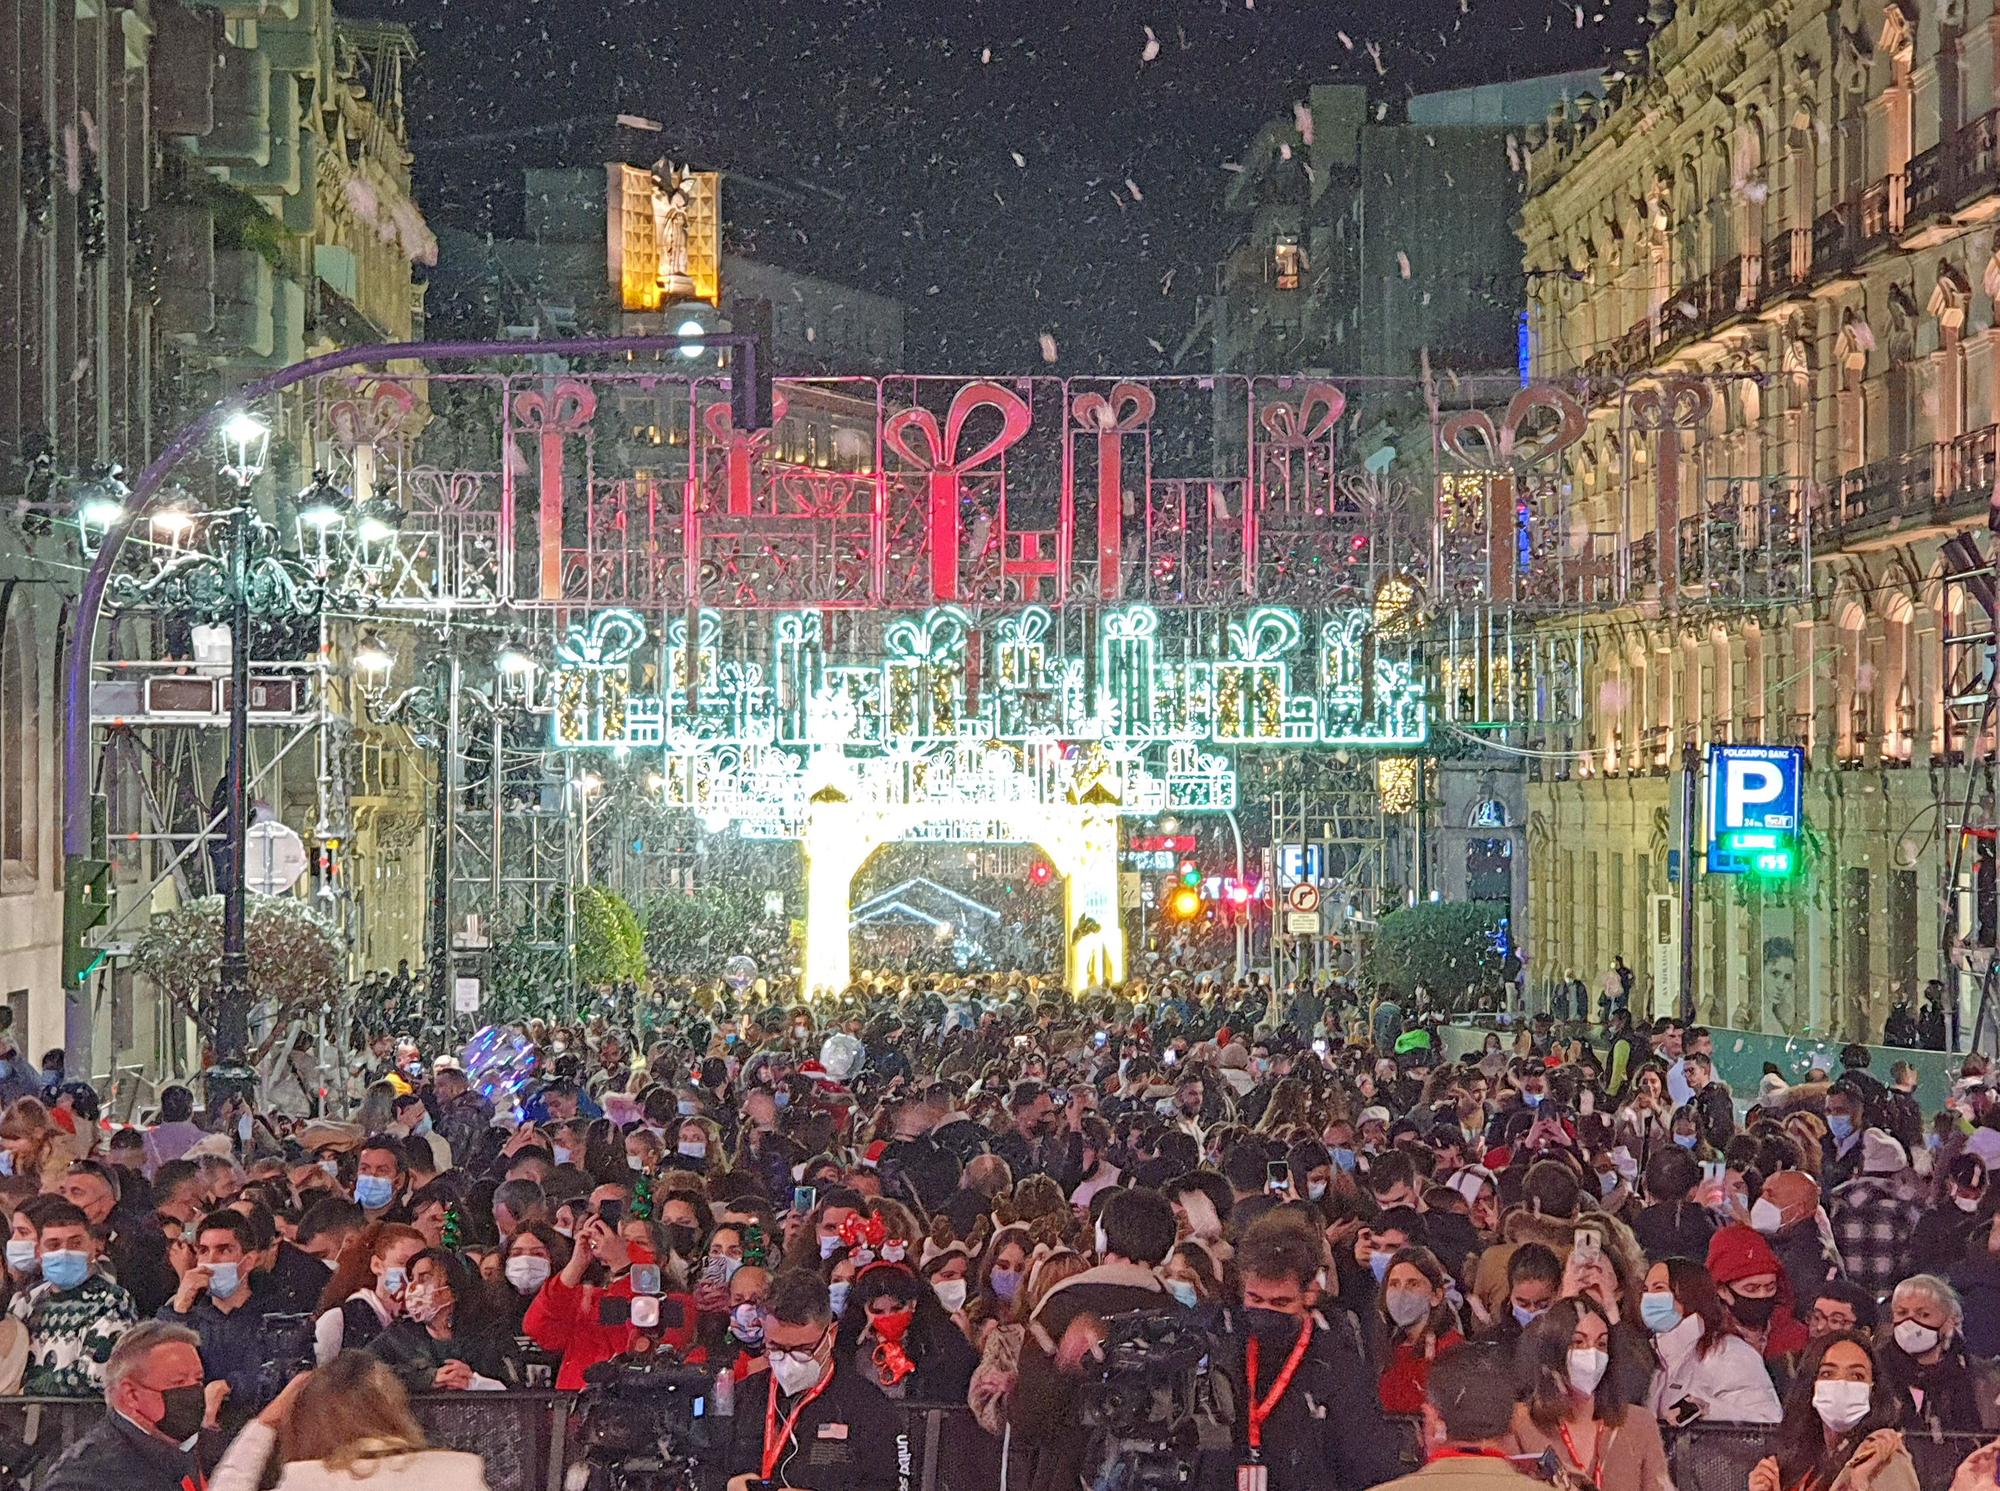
<point>1039,873</point>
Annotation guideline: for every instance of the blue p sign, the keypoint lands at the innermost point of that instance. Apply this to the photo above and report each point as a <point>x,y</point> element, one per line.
<point>1753,791</point>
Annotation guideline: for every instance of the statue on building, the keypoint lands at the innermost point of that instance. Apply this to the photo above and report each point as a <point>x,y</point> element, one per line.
<point>670,232</point>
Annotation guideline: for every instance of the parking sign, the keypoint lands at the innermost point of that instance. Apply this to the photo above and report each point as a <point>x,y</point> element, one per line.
<point>1753,808</point>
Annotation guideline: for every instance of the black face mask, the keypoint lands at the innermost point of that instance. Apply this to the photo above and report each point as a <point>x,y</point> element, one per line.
<point>1753,1312</point>
<point>1274,1329</point>
<point>181,1412</point>
<point>682,1238</point>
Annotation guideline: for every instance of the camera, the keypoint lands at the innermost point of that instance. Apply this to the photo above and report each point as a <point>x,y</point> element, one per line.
<point>1146,1399</point>
<point>645,1423</point>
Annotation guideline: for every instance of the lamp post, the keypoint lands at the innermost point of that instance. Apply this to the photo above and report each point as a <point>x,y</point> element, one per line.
<point>246,440</point>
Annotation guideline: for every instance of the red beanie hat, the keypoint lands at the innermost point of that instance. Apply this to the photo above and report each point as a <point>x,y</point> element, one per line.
<point>1737,1252</point>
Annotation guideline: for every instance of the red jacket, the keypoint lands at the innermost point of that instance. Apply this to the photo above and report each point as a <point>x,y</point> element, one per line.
<point>563,1318</point>
<point>1408,1373</point>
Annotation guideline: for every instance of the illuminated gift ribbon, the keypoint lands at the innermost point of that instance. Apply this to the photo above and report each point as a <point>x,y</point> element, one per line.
<point>1505,452</point>
<point>938,456</point>
<point>591,687</point>
<point>550,416</point>
<point>1257,644</point>
<point>360,421</point>
<point>743,446</point>
<point>1130,640</point>
<point>1289,429</point>
<point>1127,409</point>
<point>1678,403</point>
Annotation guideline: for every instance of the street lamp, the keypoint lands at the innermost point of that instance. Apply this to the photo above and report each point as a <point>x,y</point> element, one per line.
<point>246,440</point>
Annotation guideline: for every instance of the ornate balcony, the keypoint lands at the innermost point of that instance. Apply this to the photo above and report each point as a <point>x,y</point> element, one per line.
<point>1834,241</point>
<point>1883,207</point>
<point>1930,187</point>
<point>1788,264</point>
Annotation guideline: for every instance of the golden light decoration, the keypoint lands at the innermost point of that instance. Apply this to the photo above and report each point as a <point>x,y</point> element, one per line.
<point>1396,783</point>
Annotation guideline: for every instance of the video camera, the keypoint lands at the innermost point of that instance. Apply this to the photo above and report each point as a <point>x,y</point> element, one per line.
<point>646,1424</point>
<point>1145,1401</point>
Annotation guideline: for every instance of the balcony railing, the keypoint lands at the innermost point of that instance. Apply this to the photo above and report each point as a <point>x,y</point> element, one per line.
<point>1977,158</point>
<point>1833,239</point>
<point>1883,207</point>
<point>1928,185</point>
<point>1936,483</point>
<point>1787,262</point>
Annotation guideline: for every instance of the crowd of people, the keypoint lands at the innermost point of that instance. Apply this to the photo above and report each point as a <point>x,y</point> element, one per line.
<point>1572,1250</point>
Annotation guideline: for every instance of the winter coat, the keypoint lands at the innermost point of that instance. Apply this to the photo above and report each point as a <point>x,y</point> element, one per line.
<point>1729,1383</point>
<point>243,1465</point>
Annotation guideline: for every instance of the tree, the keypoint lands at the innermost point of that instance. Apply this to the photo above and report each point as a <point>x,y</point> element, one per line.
<point>296,957</point>
<point>610,948</point>
<point>1447,946</point>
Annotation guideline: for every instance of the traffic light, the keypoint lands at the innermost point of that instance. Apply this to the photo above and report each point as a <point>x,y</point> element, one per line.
<point>86,904</point>
<point>1190,874</point>
<point>1039,872</point>
<point>750,405</point>
<point>1185,903</point>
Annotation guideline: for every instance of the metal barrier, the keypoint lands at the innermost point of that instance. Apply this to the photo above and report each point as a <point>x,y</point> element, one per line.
<point>524,1437</point>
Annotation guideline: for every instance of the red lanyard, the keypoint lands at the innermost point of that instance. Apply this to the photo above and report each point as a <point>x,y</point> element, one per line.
<point>1261,1411</point>
<point>1596,1469</point>
<point>774,1450</point>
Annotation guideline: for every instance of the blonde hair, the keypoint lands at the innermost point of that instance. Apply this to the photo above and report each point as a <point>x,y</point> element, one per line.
<point>351,1412</point>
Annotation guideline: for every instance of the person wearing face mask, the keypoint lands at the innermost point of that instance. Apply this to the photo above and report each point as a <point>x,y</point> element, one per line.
<point>1292,1369</point>
<point>527,1261</point>
<point>1755,1292</point>
<point>1414,1322</point>
<point>224,1299</point>
<point>1706,1371</point>
<point>1569,1409</point>
<point>75,1314</point>
<point>365,1295</point>
<point>1839,1429</point>
<point>897,1333</point>
<point>1534,1282</point>
<point>997,1283</point>
<point>1840,1150</point>
<point>1925,1359</point>
<point>379,1179</point>
<point>149,1440</point>
<point>1787,1213</point>
<point>1954,1227</point>
<point>817,1424</point>
<point>443,1340</point>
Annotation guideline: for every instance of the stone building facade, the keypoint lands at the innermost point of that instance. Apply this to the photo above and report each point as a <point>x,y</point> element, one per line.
<point>194,194</point>
<point>1766,263</point>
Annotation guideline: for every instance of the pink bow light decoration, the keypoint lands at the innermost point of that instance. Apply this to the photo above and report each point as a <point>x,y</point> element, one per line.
<point>371,415</point>
<point>563,410</point>
<point>1125,411</point>
<point>1506,452</point>
<point>1292,427</point>
<point>744,447</point>
<point>1676,403</point>
<point>937,455</point>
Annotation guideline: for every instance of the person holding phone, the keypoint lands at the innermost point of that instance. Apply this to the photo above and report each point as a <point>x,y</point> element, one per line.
<point>1706,1371</point>
<point>569,1315</point>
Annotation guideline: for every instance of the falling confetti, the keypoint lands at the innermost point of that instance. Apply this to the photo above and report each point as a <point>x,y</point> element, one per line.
<point>1403,263</point>
<point>1344,39</point>
<point>1133,187</point>
<point>985,55</point>
<point>1152,48</point>
<point>1302,120</point>
<point>1019,159</point>
<point>1048,347</point>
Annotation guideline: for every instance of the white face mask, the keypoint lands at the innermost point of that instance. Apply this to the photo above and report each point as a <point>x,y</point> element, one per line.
<point>693,1149</point>
<point>950,1293</point>
<point>1406,1306</point>
<point>1841,1405</point>
<point>1915,1337</point>
<point>1964,1202</point>
<point>795,1371</point>
<point>1765,1217</point>
<point>526,1272</point>
<point>1586,1369</point>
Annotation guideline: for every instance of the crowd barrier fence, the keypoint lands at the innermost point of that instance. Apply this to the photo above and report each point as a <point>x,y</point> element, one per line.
<point>527,1439</point>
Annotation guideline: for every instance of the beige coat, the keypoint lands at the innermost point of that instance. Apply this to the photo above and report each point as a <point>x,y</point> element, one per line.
<point>1464,1473</point>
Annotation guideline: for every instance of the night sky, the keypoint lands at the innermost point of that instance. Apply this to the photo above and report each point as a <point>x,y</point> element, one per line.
<point>1005,168</point>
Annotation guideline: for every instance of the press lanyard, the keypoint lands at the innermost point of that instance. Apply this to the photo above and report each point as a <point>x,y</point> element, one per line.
<point>1596,1469</point>
<point>773,1452</point>
<point>1262,1411</point>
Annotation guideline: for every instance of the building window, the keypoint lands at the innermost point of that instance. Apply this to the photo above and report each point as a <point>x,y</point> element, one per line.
<point>20,753</point>
<point>1489,870</point>
<point>1288,263</point>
